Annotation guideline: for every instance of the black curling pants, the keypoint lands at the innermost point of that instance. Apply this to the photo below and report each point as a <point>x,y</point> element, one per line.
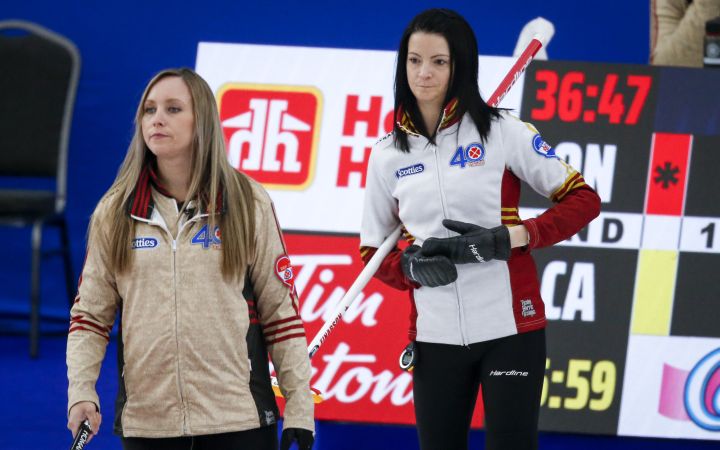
<point>446,380</point>
<point>263,438</point>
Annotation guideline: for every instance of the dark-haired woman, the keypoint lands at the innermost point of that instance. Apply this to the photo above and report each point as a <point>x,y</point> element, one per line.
<point>450,173</point>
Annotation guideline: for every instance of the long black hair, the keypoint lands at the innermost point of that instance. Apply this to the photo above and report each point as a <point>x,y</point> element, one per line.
<point>463,78</point>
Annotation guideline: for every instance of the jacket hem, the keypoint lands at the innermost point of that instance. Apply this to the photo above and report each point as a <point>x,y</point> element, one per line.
<point>196,431</point>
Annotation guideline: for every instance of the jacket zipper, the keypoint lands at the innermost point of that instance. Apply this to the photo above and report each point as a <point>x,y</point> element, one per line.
<point>177,339</point>
<point>461,317</point>
<point>183,407</point>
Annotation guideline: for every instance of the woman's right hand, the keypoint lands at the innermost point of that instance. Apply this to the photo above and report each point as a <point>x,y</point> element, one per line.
<point>430,271</point>
<point>81,411</point>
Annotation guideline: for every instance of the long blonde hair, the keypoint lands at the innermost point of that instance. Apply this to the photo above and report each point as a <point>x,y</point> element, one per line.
<point>211,174</point>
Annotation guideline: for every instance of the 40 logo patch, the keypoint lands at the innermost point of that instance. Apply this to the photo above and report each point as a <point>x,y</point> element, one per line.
<point>470,155</point>
<point>206,239</point>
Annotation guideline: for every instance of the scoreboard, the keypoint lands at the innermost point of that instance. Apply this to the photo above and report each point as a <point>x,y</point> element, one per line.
<point>634,298</point>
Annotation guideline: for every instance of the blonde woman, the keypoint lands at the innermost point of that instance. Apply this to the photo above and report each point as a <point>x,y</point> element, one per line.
<point>189,253</point>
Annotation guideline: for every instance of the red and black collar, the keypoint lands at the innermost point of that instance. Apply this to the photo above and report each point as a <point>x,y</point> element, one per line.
<point>450,117</point>
<point>141,203</point>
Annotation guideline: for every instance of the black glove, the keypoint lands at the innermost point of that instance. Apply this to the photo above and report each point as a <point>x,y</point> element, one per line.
<point>431,271</point>
<point>475,243</point>
<point>303,437</point>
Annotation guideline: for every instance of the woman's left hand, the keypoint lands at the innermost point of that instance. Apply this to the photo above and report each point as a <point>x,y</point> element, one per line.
<point>303,437</point>
<point>475,243</point>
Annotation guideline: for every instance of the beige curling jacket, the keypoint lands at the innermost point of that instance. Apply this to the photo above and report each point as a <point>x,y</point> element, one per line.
<point>186,361</point>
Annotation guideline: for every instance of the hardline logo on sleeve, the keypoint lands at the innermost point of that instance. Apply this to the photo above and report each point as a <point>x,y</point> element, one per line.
<point>271,132</point>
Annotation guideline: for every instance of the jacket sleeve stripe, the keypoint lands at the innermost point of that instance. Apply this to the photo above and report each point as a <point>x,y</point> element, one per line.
<point>82,319</point>
<point>94,325</point>
<point>79,328</point>
<point>282,321</point>
<point>285,338</point>
<point>572,182</point>
<point>281,330</point>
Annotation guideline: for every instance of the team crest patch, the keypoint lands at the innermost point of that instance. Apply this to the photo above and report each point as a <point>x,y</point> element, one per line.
<point>284,271</point>
<point>470,155</point>
<point>410,170</point>
<point>543,148</point>
<point>144,242</point>
<point>206,239</point>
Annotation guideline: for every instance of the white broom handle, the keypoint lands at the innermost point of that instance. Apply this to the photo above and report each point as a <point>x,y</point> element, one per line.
<point>360,282</point>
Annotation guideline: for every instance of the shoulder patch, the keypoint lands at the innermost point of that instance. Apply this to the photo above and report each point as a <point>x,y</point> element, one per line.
<point>284,271</point>
<point>542,148</point>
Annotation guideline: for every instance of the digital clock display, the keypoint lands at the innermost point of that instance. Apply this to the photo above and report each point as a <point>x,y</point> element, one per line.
<point>579,384</point>
<point>575,96</point>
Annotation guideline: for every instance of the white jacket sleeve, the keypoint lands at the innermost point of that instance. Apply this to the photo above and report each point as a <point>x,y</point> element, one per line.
<point>380,209</point>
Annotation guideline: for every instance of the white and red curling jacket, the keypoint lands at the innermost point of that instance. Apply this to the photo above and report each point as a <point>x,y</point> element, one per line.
<point>465,179</point>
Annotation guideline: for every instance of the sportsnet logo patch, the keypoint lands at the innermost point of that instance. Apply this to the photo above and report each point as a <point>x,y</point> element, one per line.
<point>410,170</point>
<point>542,148</point>
<point>284,271</point>
<point>144,242</point>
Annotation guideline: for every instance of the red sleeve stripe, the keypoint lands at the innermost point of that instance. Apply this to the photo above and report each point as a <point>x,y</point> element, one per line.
<point>574,181</point>
<point>79,328</point>
<point>579,182</point>
<point>566,184</point>
<point>408,237</point>
<point>559,192</point>
<point>366,253</point>
<point>281,330</point>
<point>79,319</point>
<point>285,338</point>
<point>254,321</point>
<point>282,321</point>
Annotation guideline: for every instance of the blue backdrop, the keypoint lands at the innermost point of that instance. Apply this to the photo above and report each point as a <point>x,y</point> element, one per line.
<point>123,44</point>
